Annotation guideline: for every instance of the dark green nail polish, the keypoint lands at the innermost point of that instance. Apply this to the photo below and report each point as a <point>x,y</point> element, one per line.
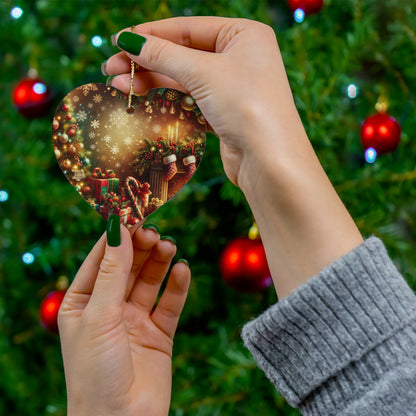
<point>131,42</point>
<point>104,69</point>
<point>184,261</point>
<point>150,227</point>
<point>113,231</point>
<point>109,80</point>
<point>169,238</point>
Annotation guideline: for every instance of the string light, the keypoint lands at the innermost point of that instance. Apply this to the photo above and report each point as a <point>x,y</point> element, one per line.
<point>352,91</point>
<point>28,258</point>
<point>370,155</point>
<point>4,196</point>
<point>299,15</point>
<point>39,88</point>
<point>16,12</point>
<point>97,41</point>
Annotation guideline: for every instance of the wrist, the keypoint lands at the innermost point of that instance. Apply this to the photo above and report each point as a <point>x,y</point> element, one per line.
<point>302,222</point>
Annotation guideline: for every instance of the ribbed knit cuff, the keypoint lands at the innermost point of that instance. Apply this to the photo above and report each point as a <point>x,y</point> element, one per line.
<point>338,332</point>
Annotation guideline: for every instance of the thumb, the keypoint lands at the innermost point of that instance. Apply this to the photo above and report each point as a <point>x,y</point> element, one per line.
<point>180,63</point>
<point>114,271</point>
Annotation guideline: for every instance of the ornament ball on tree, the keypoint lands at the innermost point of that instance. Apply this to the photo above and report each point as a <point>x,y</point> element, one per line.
<point>244,266</point>
<point>308,6</point>
<point>381,132</point>
<point>32,98</point>
<point>49,309</point>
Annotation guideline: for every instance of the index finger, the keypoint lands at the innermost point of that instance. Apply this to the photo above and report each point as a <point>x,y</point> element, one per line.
<point>197,32</point>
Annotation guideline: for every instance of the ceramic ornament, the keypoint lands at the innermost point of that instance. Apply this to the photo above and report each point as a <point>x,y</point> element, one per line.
<point>128,154</point>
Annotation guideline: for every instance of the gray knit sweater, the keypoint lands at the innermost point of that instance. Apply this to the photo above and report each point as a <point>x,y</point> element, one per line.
<point>345,342</point>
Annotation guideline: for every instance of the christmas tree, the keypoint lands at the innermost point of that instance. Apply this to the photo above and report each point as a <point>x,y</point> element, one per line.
<point>346,61</point>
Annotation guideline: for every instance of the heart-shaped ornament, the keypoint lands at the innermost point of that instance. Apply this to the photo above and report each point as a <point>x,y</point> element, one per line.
<point>126,160</point>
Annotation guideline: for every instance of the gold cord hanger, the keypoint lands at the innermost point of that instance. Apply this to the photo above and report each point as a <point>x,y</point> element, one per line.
<point>130,108</point>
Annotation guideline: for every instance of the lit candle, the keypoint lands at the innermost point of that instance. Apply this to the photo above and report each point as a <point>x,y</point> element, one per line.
<point>177,127</point>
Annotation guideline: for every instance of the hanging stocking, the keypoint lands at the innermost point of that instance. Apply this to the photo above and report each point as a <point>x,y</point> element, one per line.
<point>190,163</point>
<point>170,167</point>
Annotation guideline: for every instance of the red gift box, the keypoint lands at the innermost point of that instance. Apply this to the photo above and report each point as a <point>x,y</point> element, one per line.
<point>102,183</point>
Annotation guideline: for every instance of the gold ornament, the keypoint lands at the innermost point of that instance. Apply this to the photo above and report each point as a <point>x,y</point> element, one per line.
<point>182,116</point>
<point>67,163</point>
<point>201,119</point>
<point>187,103</point>
<point>172,109</point>
<point>62,283</point>
<point>58,153</point>
<point>171,95</point>
<point>253,233</point>
<point>64,138</point>
<point>79,146</point>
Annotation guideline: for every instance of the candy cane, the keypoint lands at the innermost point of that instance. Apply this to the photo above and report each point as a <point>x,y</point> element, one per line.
<point>132,185</point>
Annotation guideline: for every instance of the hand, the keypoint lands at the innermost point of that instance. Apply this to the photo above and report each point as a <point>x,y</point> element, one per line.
<point>233,68</point>
<point>117,353</point>
<point>239,88</point>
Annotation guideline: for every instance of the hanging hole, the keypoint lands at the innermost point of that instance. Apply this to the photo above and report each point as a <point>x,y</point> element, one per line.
<point>130,109</point>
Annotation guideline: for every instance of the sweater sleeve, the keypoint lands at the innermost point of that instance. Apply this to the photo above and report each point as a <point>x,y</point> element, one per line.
<point>344,343</point>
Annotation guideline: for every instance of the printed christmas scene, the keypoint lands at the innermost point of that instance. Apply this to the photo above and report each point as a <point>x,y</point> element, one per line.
<point>122,162</point>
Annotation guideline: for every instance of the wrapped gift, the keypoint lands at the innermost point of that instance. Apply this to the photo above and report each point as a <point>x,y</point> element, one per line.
<point>125,215</point>
<point>102,183</point>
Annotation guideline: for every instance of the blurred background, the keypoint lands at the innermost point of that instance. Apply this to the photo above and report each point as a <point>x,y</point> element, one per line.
<point>346,60</point>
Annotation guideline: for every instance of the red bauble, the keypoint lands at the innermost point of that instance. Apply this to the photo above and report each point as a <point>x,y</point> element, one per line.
<point>32,98</point>
<point>308,6</point>
<point>49,309</point>
<point>381,132</point>
<point>244,266</point>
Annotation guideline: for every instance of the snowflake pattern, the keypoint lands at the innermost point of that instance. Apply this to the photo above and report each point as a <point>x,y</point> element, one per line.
<point>91,135</point>
<point>128,140</point>
<point>157,128</point>
<point>81,115</point>
<point>107,139</point>
<point>97,98</point>
<point>87,88</point>
<point>75,99</point>
<point>118,117</point>
<point>95,124</point>
<point>115,149</point>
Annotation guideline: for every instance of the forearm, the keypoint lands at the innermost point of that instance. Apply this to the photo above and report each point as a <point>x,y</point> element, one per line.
<point>343,343</point>
<point>303,223</point>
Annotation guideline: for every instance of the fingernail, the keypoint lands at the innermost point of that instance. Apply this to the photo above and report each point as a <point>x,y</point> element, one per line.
<point>168,238</point>
<point>114,39</point>
<point>113,231</point>
<point>103,68</point>
<point>184,261</point>
<point>150,227</point>
<point>109,80</point>
<point>131,42</point>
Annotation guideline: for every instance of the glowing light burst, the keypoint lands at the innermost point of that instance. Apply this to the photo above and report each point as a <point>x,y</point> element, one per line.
<point>4,196</point>
<point>28,258</point>
<point>370,155</point>
<point>299,15</point>
<point>16,13</point>
<point>352,91</point>
<point>97,41</point>
<point>39,88</point>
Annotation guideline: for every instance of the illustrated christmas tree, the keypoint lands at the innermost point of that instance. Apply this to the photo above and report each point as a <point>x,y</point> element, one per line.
<point>347,61</point>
